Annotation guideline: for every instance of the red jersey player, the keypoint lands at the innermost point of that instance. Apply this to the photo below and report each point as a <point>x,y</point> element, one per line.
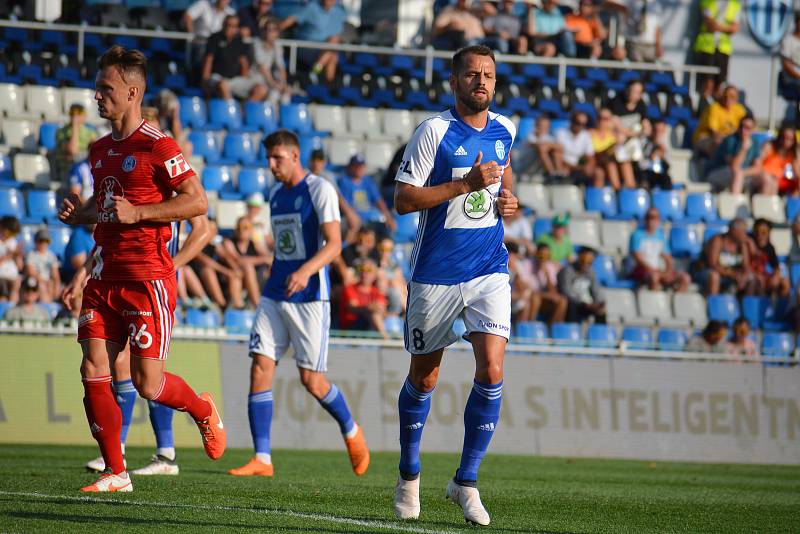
<point>142,183</point>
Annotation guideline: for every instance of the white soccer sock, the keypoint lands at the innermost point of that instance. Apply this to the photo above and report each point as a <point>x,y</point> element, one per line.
<point>353,432</point>
<point>167,452</point>
<point>264,457</point>
<point>123,449</point>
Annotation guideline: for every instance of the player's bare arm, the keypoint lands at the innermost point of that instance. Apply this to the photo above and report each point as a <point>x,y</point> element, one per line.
<point>409,198</point>
<point>199,237</point>
<point>75,212</point>
<point>75,285</point>
<point>298,280</point>
<point>190,201</point>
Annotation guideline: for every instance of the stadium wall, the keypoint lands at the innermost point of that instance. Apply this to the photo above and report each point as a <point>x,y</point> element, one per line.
<point>552,406</point>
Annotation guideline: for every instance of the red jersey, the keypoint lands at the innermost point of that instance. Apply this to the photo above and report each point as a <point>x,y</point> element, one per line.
<point>146,167</point>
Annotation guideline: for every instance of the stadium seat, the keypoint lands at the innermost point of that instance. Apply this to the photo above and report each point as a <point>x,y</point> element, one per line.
<point>340,149</point>
<point>202,318</point>
<point>33,169</point>
<point>723,308</point>
<point>542,226</point>
<point>41,205</point>
<point>781,239</point>
<point>192,112</point>
<point>394,325</point>
<point>363,121</point>
<point>566,334</point>
<point>330,119</point>
<point>684,241</point>
<point>620,306</point>
<point>532,332</point>
<point>669,204</point>
<point>701,207</point>
<point>238,321</point>
<point>218,178</point>
<point>601,335</point>
<point>601,199</point>
<point>260,115</point>
<point>60,237</point>
<point>633,203</point>
<point>792,208</point>
<point>777,344</point>
<point>20,133</point>
<point>691,306</point>
<point>776,315</point>
<point>297,118</point>
<point>239,148</point>
<point>4,307</point>
<point>85,97</point>
<point>228,212</point>
<point>378,154</point>
<point>406,227</point>
<point>206,144</point>
<point>616,236</point>
<point>672,339</point>
<point>525,127</point>
<point>399,123</point>
<point>6,173</point>
<point>638,337</point>
<point>770,207</point>
<point>606,273</point>
<point>584,232</point>
<point>712,229</point>
<point>47,135</point>
<point>253,180</point>
<point>566,198</point>
<point>732,205</point>
<point>754,308</point>
<point>12,99</point>
<point>654,305</point>
<point>534,196</point>
<point>27,234</point>
<point>12,203</point>
<point>224,114</point>
<point>43,101</point>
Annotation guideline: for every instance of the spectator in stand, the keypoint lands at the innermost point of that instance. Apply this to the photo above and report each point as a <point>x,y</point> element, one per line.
<point>726,262</point>
<point>718,121</point>
<point>364,248</point>
<point>652,262</point>
<point>391,281</point>
<point>577,154</point>
<point>713,47</point>
<point>362,194</point>
<point>764,262</point>
<point>210,270</point>
<point>549,30</point>
<point>789,80</point>
<point>712,339</point>
<point>205,18</point>
<point>321,21</point>
<point>518,230</point>
<point>10,259</point>
<point>519,277</point>
<point>253,17</point>
<point>642,32</point>
<point>258,215</point>
<point>29,308</point>
<point>270,70</point>
<point>633,127</point>
<point>42,264</point>
<point>578,283</point>
<point>168,120</point>
<point>545,146</point>
<point>740,343</point>
<point>558,241</point>
<point>456,26</point>
<point>779,163</point>
<point>604,144</point>
<point>72,142</point>
<point>541,279</point>
<point>80,180</point>
<point>226,65</point>
<point>737,163</point>
<point>247,256</point>
<point>654,167</point>
<point>363,306</point>
<point>317,164</point>
<point>588,30</point>
<point>504,30</point>
<point>794,251</point>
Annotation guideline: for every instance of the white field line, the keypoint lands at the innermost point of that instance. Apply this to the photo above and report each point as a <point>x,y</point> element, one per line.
<point>215,507</point>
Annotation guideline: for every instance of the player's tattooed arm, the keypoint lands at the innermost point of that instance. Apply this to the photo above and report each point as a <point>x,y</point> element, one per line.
<point>74,211</point>
<point>332,233</point>
<point>190,201</point>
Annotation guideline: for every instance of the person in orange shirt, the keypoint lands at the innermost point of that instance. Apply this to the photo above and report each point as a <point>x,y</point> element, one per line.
<point>589,30</point>
<point>779,163</point>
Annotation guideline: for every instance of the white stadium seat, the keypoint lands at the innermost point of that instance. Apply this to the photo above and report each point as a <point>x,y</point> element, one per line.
<point>420,116</point>
<point>228,212</point>
<point>656,305</point>
<point>732,205</point>
<point>33,169</point>
<point>770,207</point>
<point>22,134</point>
<point>616,236</point>
<point>620,306</point>
<point>43,101</point>
<point>363,121</point>
<point>679,165</point>
<point>12,99</point>
<point>690,306</point>
<point>781,239</point>
<point>378,154</point>
<point>398,123</point>
<point>340,149</point>
<point>329,119</point>
<point>566,198</point>
<point>534,196</point>
<point>584,232</point>
<point>76,95</point>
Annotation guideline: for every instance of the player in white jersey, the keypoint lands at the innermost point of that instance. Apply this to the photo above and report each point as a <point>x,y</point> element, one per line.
<point>456,172</point>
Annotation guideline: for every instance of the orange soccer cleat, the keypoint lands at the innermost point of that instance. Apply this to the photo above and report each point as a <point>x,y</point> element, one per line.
<point>212,430</point>
<point>254,467</point>
<point>110,482</point>
<point>358,452</point>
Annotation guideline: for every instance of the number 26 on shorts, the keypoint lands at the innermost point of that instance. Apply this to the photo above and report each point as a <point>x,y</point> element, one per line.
<point>141,337</point>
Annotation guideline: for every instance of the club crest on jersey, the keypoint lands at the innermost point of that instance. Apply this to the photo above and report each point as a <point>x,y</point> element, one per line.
<point>286,242</point>
<point>129,163</point>
<point>176,166</point>
<point>477,204</point>
<point>500,149</point>
<point>109,188</point>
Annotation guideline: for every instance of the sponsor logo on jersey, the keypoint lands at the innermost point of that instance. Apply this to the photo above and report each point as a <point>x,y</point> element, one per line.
<point>109,188</point>
<point>112,153</point>
<point>86,317</point>
<point>477,204</point>
<point>176,166</point>
<point>136,313</point>
<point>286,243</point>
<point>460,151</point>
<point>490,324</point>
<point>98,164</point>
<point>129,163</point>
<point>500,149</point>
<point>487,427</point>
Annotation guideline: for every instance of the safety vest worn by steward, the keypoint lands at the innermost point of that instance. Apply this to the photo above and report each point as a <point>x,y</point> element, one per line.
<point>708,41</point>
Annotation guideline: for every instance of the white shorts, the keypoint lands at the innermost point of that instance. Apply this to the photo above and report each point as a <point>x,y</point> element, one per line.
<point>484,303</point>
<point>303,325</point>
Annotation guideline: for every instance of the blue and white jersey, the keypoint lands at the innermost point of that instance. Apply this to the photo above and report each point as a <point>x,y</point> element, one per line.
<point>174,243</point>
<point>296,215</point>
<point>461,239</point>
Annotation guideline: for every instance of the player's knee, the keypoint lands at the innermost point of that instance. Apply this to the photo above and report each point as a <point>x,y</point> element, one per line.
<point>148,389</point>
<point>423,382</point>
<point>490,373</point>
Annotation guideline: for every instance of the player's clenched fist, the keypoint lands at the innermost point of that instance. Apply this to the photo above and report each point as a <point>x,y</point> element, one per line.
<point>507,203</point>
<point>124,212</point>
<point>68,213</point>
<point>296,282</point>
<point>482,175</point>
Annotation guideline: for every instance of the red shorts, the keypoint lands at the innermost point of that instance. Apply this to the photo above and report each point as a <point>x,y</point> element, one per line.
<point>139,311</point>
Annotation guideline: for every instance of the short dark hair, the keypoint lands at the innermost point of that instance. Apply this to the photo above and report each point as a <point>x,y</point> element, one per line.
<point>713,327</point>
<point>281,138</point>
<point>762,220</point>
<point>741,321</point>
<point>128,62</point>
<point>460,57</point>
<point>10,223</point>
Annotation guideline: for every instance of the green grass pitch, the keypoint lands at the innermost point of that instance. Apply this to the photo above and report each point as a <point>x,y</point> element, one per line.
<point>316,492</point>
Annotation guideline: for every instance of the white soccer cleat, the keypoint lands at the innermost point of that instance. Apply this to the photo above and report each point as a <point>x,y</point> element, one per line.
<point>109,482</point>
<point>98,465</point>
<point>469,500</point>
<point>159,465</point>
<point>406,498</point>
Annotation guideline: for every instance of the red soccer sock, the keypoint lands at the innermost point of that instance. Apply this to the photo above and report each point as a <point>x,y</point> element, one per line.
<point>105,420</point>
<point>176,393</point>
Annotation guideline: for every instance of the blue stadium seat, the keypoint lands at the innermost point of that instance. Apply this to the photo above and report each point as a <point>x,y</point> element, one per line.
<point>26,235</point>
<point>296,117</point>
<point>606,273</point>
<point>668,204</point>
<point>218,178</point>
<point>60,238</point>
<point>602,199</point>
<point>776,315</point>
<point>601,335</point>
<point>238,321</point>
<point>192,111</point>
<point>633,203</point>
<point>6,172</point>
<point>239,148</point>
<point>792,208</point>
<point>777,344</point>
<point>542,226</point>
<point>4,307</point>
<point>406,227</point>
<point>205,143</point>
<point>525,127</point>
<point>638,337</point>
<point>531,332</point>
<point>712,229</point>
<point>754,309</point>
<point>12,203</point>
<point>566,334</point>
<point>41,206</point>
<point>253,180</point>
<point>723,308</point>
<point>175,82</point>
<point>701,207</point>
<point>260,115</point>
<point>224,114</point>
<point>47,135</point>
<point>672,339</point>
<point>202,318</point>
<point>795,276</point>
<point>684,241</point>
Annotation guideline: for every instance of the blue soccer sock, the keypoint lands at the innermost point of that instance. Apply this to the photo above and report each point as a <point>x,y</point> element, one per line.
<point>413,406</point>
<point>259,411</point>
<point>125,394</point>
<point>480,420</point>
<point>334,404</point>
<point>161,421</point>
